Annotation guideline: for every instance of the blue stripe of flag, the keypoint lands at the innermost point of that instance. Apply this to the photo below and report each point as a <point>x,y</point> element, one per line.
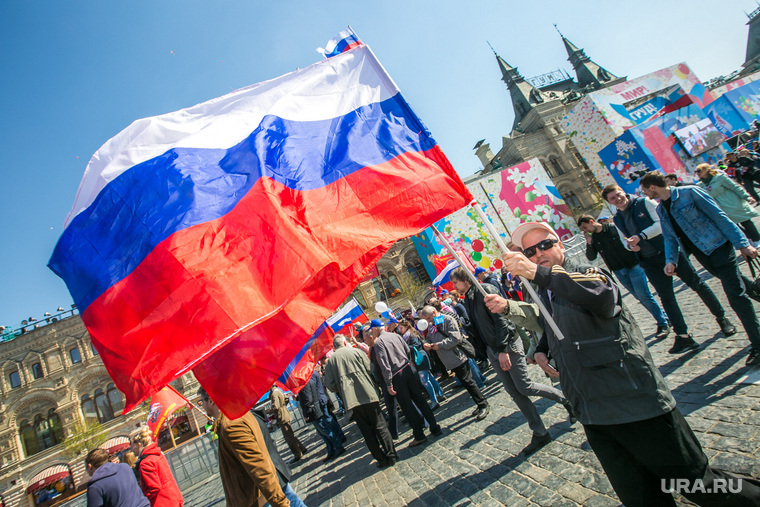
<point>185,187</point>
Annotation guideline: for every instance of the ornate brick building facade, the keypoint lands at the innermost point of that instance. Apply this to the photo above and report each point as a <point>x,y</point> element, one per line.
<point>52,379</point>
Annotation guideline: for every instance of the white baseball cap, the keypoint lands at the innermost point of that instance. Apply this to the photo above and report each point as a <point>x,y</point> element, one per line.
<point>523,229</point>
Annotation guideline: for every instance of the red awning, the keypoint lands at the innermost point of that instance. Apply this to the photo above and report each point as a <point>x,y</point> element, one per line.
<point>47,476</point>
<point>116,444</point>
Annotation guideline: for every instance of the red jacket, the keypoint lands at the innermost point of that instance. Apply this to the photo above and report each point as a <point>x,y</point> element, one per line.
<point>156,478</point>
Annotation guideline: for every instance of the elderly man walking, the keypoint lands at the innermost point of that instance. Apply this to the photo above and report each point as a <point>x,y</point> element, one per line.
<point>281,412</point>
<point>392,355</point>
<point>347,373</point>
<point>607,373</point>
<point>444,337</point>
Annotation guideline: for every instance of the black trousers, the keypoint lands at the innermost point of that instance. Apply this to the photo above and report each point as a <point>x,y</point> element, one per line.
<point>392,408</point>
<point>644,459</point>
<point>748,181</point>
<point>371,423</point>
<point>408,389</point>
<point>750,230</point>
<point>663,284</point>
<point>722,265</point>
<point>464,374</point>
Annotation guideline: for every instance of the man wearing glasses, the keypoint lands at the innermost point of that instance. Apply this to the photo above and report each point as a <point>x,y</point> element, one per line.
<point>609,377</point>
<point>641,231</point>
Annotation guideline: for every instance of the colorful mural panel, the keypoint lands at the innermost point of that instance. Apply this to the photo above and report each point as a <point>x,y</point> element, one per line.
<point>522,193</point>
<point>601,117</point>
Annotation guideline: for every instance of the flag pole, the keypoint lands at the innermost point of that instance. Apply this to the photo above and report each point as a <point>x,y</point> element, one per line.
<point>494,209</point>
<point>503,247</point>
<point>474,281</point>
<point>171,434</point>
<point>192,405</point>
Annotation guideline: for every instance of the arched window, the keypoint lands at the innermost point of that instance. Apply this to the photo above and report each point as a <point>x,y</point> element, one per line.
<point>28,438</point>
<point>75,357</point>
<point>105,413</point>
<point>114,398</point>
<point>88,409</point>
<point>378,289</point>
<point>388,289</point>
<point>572,200</point>
<point>37,371</point>
<point>395,287</point>
<point>43,433</point>
<point>94,350</point>
<point>556,167</point>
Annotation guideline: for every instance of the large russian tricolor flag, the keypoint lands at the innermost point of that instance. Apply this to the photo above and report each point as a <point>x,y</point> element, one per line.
<point>219,237</point>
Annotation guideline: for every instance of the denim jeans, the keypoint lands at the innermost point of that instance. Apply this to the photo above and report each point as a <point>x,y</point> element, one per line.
<point>663,284</point>
<point>635,281</point>
<point>431,385</point>
<point>291,496</point>
<point>326,430</point>
<point>722,265</point>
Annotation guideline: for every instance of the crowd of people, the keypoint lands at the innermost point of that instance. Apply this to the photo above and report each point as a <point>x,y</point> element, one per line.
<point>608,381</point>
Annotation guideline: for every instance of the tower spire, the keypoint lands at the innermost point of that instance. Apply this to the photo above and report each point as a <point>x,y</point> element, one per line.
<point>524,95</point>
<point>588,72</point>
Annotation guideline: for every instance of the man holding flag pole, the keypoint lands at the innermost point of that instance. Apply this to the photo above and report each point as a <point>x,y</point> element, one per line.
<point>609,377</point>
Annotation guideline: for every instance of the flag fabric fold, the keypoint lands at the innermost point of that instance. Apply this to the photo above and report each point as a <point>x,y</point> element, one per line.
<point>218,238</point>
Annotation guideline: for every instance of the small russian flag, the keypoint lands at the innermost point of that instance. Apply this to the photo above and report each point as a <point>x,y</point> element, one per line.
<point>341,43</point>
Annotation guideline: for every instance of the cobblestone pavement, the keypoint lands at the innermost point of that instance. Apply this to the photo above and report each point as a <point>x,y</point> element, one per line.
<point>477,463</point>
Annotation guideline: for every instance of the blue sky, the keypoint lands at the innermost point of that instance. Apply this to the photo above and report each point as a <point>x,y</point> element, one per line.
<point>75,73</point>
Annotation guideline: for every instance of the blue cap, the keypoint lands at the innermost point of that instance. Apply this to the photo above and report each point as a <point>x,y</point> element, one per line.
<point>444,291</point>
<point>479,270</point>
<point>376,323</point>
<point>392,320</point>
<point>605,217</point>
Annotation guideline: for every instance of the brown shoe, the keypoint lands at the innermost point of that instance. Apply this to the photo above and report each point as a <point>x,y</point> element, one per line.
<point>415,442</point>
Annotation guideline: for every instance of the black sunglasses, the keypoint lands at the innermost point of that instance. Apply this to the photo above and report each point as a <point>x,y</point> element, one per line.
<point>544,245</point>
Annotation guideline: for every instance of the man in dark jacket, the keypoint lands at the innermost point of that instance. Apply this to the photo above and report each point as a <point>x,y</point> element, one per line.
<point>604,239</point>
<point>745,171</point>
<point>507,356</point>
<point>111,484</point>
<point>312,410</point>
<point>606,371</point>
<point>641,231</point>
<point>348,374</point>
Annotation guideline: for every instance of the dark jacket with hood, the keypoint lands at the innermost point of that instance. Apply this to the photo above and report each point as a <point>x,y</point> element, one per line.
<point>114,485</point>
